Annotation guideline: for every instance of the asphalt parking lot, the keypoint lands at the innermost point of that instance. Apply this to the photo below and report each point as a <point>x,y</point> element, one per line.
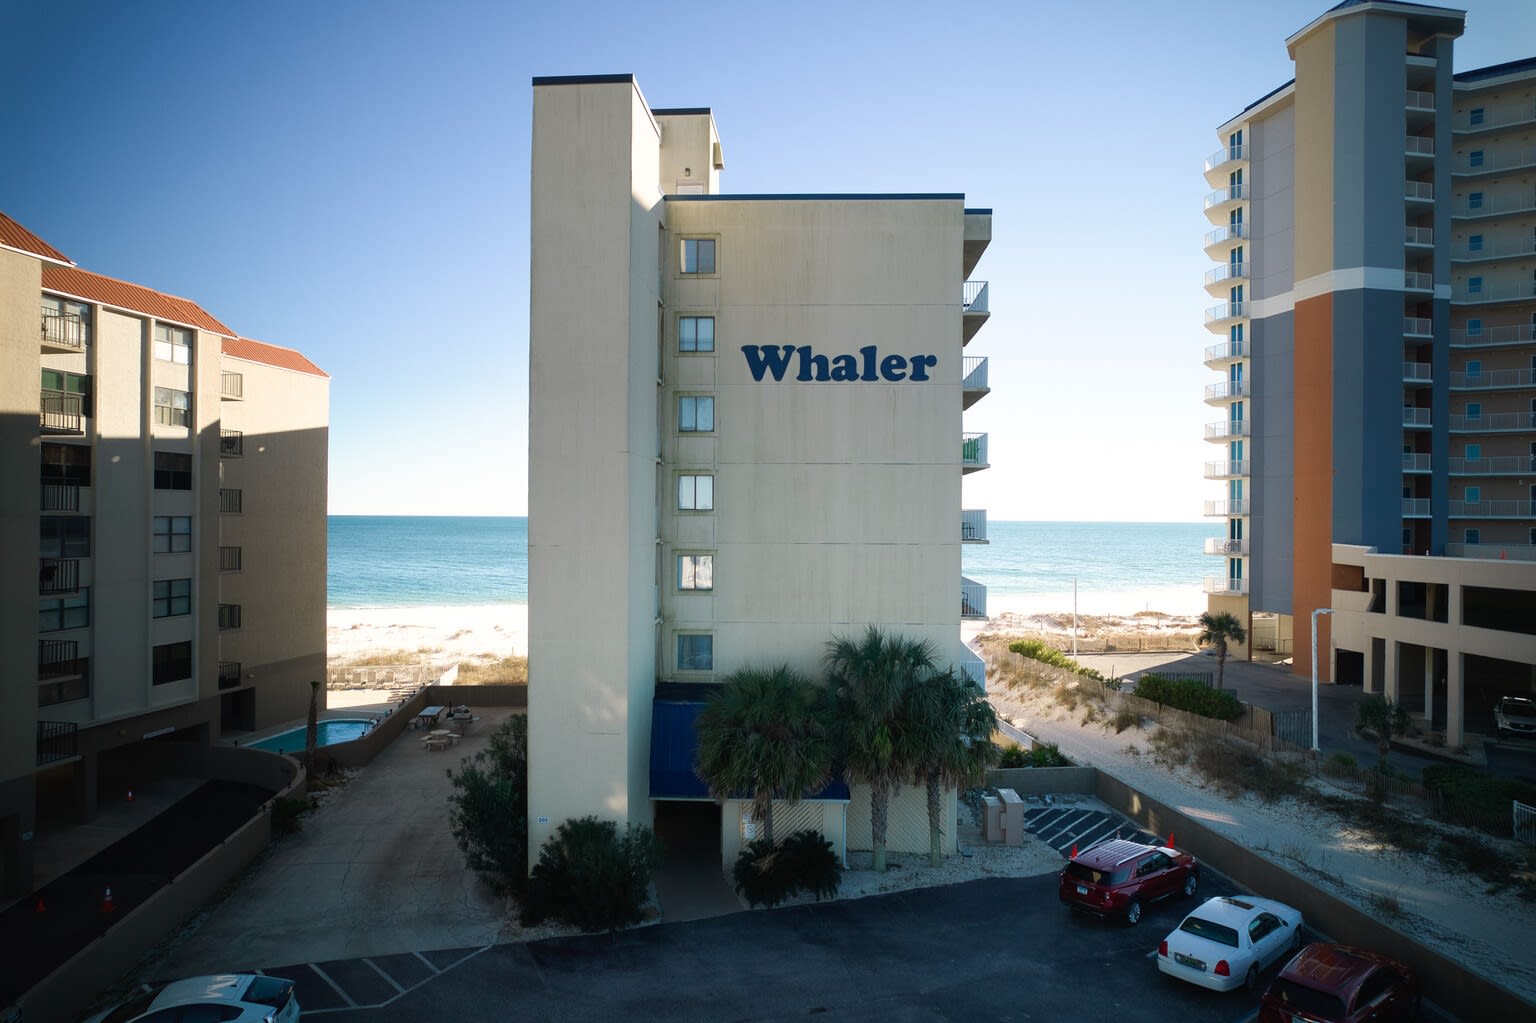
<point>1000,949</point>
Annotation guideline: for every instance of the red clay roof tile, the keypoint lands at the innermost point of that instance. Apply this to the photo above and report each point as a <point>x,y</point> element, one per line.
<point>133,297</point>
<point>13,235</point>
<point>271,355</point>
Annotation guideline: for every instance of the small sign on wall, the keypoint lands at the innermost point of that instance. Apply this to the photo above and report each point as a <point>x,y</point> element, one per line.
<point>543,820</point>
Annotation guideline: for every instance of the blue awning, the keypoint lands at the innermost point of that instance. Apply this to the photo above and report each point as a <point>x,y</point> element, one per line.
<point>674,742</point>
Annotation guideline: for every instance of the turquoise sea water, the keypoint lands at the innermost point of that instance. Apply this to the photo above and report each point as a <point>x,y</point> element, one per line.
<point>397,561</point>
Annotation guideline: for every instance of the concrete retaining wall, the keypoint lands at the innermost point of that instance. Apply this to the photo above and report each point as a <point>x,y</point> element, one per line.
<point>1037,781</point>
<point>68,990</point>
<point>480,696</point>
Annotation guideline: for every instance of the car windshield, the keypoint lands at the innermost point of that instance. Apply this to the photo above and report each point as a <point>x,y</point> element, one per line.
<point>1300,998</point>
<point>1083,872</point>
<point>1219,933</point>
<point>135,1006</point>
<point>1518,705</point>
<point>273,991</point>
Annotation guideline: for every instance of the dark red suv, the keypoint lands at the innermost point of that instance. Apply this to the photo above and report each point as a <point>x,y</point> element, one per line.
<point>1341,984</point>
<point>1118,878</point>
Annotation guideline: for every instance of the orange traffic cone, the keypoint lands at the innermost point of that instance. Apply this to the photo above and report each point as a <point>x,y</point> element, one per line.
<point>1170,841</point>
<point>130,795</point>
<point>1074,850</point>
<point>41,908</point>
<point>106,903</point>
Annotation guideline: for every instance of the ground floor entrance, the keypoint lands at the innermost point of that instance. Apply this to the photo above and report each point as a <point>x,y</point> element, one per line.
<point>691,881</point>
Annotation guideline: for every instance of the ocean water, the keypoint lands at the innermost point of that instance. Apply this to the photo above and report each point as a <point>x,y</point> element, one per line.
<point>401,561</point>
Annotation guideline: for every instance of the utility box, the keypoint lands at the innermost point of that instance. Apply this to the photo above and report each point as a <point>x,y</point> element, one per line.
<point>992,824</point>
<point>1013,817</point>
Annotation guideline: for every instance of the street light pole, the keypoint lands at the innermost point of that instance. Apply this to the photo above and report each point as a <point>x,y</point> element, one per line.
<point>1315,612</point>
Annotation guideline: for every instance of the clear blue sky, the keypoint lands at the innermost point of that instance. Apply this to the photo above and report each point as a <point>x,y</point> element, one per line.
<point>351,179</point>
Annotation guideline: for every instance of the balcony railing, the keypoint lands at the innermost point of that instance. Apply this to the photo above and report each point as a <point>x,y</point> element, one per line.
<point>229,559</point>
<point>1226,508</point>
<point>57,740</point>
<point>1520,508</point>
<point>1465,124</point>
<point>1224,311</point>
<point>229,501</point>
<point>1507,291</point>
<point>1415,281</point>
<point>974,668</point>
<point>229,674</point>
<point>61,412</point>
<point>973,525</point>
<point>64,330</point>
<point>973,297</point>
<point>1226,272</point>
<point>59,497</point>
<point>1495,206</point>
<point>1492,551</point>
<point>1226,351</point>
<point>1230,233</point>
<point>973,599</point>
<point>1232,193</point>
<point>1416,461</point>
<point>1226,428</point>
<point>1493,379</point>
<point>231,443</point>
<point>57,576</point>
<point>1226,390</point>
<point>1415,507</point>
<point>1496,465</point>
<point>1418,236</point>
<point>1225,584</point>
<point>1484,337</point>
<point>229,616</point>
<point>1416,373</point>
<point>1416,417</point>
<point>1419,145</point>
<point>1418,326</point>
<point>57,658</point>
<point>973,451</point>
<point>1226,154</point>
<point>1504,249</point>
<point>1216,545</point>
<point>231,385</point>
<point>1419,191</point>
<point>1488,163</point>
<point>1493,422</point>
<point>974,368</point>
<point>1225,469</point>
<point>1416,100</point>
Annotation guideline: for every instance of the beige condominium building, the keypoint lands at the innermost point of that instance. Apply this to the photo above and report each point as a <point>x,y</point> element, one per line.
<point>746,438</point>
<point>163,512</point>
<point>1374,234</point>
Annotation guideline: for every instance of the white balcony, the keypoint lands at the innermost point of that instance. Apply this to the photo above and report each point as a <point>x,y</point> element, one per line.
<point>1226,428</point>
<point>1523,508</point>
<point>1221,275</point>
<point>1503,291</point>
<point>1415,507</point>
<point>1419,191</point>
<point>1419,236</point>
<point>64,332</point>
<point>973,599</point>
<point>973,525</point>
<point>1490,337</point>
<point>60,413</point>
<point>1466,124</point>
<point>1496,465</point>
<point>1224,584</point>
<point>1494,422</point>
<point>1218,316</point>
<point>1414,281</point>
<point>973,452</point>
<point>1223,197</point>
<point>1218,355</point>
<point>973,384</point>
<point>1493,163</point>
<point>1227,390</point>
<point>1226,509</point>
<point>1416,462</point>
<point>1419,146</point>
<point>1507,248</point>
<point>1225,470</point>
<point>1224,156</point>
<point>1493,380</point>
<point>1216,545</point>
<point>1416,417</point>
<point>1494,205</point>
<point>1224,238</point>
<point>1418,326</point>
<point>1416,373</point>
<point>1421,101</point>
<point>1492,551</point>
<point>974,309</point>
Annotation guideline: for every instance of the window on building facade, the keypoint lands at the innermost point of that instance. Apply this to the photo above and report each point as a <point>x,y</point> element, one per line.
<point>65,612</point>
<point>698,255</point>
<point>172,407</point>
<point>1475,158</point>
<point>696,334</point>
<point>75,384</point>
<point>173,534</point>
<point>1473,536</point>
<point>173,663</point>
<point>695,652</point>
<point>1474,327</point>
<point>695,571</point>
<point>696,492</point>
<point>1473,495</point>
<point>173,471</point>
<point>1475,116</point>
<point>1475,243</point>
<point>66,463</point>
<point>1474,410</point>
<point>1474,368</point>
<point>173,344</point>
<point>695,413</point>
<point>172,598</point>
<point>1474,285</point>
<point>64,536</point>
<point>1474,452</point>
<point>1475,201</point>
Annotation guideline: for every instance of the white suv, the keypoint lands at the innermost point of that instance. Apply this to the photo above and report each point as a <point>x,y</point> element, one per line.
<point>1514,715</point>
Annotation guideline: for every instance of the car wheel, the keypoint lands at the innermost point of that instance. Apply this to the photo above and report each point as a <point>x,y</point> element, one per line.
<point>1251,980</point>
<point>1296,940</point>
<point>1191,884</point>
<point>1133,913</point>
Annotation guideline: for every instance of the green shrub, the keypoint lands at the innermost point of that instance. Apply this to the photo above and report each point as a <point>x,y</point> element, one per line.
<point>1341,764</point>
<point>590,876</point>
<point>1126,717</point>
<point>286,814</point>
<point>488,807</point>
<point>1191,696</point>
<point>1015,756</point>
<point>1484,794</point>
<point>1047,654</point>
<point>767,873</point>
<point>1047,754</point>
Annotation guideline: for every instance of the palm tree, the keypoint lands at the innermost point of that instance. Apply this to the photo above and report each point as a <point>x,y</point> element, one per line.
<point>951,724</point>
<point>868,677</point>
<point>768,733</point>
<point>1218,630</point>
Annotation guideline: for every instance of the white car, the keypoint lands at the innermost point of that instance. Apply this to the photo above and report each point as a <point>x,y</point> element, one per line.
<point>1228,942</point>
<point>1514,715</point>
<point>223,998</point>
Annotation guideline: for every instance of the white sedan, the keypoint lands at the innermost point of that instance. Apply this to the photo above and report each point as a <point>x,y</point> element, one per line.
<point>1227,942</point>
<point>232,997</point>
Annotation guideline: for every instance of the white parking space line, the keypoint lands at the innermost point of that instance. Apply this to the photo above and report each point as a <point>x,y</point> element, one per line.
<point>334,986</point>
<point>387,978</point>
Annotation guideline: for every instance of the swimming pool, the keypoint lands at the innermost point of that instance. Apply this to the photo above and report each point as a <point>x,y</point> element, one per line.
<point>329,733</point>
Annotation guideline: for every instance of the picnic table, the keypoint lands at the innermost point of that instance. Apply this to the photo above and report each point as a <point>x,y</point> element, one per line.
<point>429,715</point>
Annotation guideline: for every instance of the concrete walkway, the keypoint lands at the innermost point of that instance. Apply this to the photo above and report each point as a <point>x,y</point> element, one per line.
<point>374,871</point>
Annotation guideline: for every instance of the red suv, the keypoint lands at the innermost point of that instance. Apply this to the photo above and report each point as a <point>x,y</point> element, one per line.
<point>1341,984</point>
<point>1118,878</point>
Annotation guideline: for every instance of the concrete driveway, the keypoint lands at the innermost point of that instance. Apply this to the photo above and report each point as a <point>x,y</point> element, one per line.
<point>375,872</point>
